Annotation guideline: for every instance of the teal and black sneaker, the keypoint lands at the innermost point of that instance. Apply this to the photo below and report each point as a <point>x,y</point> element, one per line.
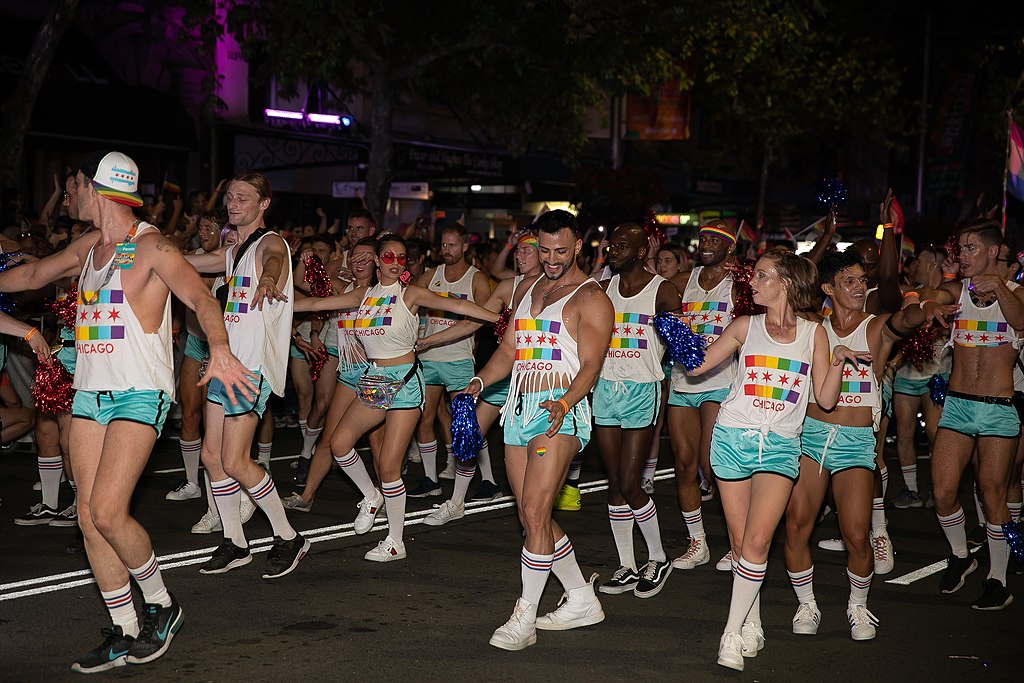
<point>110,653</point>
<point>159,626</point>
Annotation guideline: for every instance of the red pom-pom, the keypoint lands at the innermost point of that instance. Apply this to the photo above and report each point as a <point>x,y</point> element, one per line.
<point>52,390</point>
<point>316,365</point>
<point>743,303</point>
<point>652,227</point>
<point>919,348</point>
<point>502,323</point>
<point>319,282</point>
<point>953,247</point>
<point>66,309</point>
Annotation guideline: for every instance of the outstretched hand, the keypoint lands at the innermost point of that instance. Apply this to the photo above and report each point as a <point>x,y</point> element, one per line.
<point>842,354</point>
<point>235,377</point>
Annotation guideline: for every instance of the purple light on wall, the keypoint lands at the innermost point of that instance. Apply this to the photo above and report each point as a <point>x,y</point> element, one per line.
<point>332,119</point>
<point>283,114</point>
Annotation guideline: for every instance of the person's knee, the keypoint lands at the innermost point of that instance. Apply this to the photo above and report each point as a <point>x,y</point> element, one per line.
<point>857,543</point>
<point>106,517</point>
<point>632,492</point>
<point>535,518</point>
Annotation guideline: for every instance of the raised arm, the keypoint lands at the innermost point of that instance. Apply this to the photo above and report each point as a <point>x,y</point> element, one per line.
<point>500,269</point>
<point>336,302</point>
<point>65,263</point>
<point>210,263</point>
<point>816,254</point>
<point>890,298</point>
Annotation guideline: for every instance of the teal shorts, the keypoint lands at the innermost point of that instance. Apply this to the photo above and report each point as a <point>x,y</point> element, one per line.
<point>217,393</point>
<point>145,406</point>
<point>575,423</point>
<point>694,399</point>
<point>68,357</point>
<point>197,348</point>
<point>453,375</point>
<point>295,352</point>
<point>630,405</point>
<point>497,393</point>
<point>837,446</point>
<point>332,351</point>
<point>350,374</point>
<point>975,417</point>
<point>410,396</point>
<point>734,454</point>
<point>912,387</point>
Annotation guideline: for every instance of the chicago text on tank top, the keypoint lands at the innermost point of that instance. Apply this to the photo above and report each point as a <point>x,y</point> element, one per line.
<point>635,351</point>
<point>384,325</point>
<point>982,326</point>
<point>859,386</point>
<point>547,356</point>
<point>438,320</point>
<point>709,312</point>
<point>350,351</point>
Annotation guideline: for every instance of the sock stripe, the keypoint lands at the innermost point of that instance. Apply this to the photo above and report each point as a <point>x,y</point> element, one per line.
<point>563,549</point>
<point>347,460</point>
<point>954,519</point>
<point>994,533</point>
<point>620,514</point>
<point>542,565</point>
<point>750,574</point>
<point>464,471</point>
<point>226,488</point>
<point>646,513</point>
<point>878,504</point>
<point>121,599</point>
<point>50,463</point>
<point>801,579</point>
<point>393,490</point>
<point>859,581</point>
<point>190,446</point>
<point>263,489</point>
<point>693,517</point>
<point>884,473</point>
<point>146,571</point>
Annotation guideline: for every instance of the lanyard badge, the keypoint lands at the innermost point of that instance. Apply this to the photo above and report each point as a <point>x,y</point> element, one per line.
<point>124,255</point>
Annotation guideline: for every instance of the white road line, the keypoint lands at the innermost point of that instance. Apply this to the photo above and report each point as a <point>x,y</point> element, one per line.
<point>924,572</point>
<point>174,470</point>
<point>328,533</point>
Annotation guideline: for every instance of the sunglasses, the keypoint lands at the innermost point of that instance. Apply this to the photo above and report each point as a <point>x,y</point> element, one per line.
<point>390,257</point>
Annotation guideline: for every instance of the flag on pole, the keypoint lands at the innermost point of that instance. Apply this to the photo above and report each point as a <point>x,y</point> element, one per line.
<point>746,233</point>
<point>1015,162</point>
<point>908,248</point>
<point>171,185</point>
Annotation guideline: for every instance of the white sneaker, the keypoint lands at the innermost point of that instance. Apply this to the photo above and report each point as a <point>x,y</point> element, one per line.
<point>807,618</point>
<point>834,545</point>
<point>578,607</point>
<point>368,510</point>
<point>246,508</point>
<point>520,631</point>
<point>725,564</point>
<point>862,622</point>
<point>730,650</point>
<point>449,471</point>
<point>446,513</point>
<point>707,491</point>
<point>696,555</point>
<point>186,490</point>
<point>412,453</point>
<point>209,523</point>
<point>753,639</point>
<point>68,517</point>
<point>885,558</point>
<point>295,502</point>
<point>647,485</point>
<point>387,550</point>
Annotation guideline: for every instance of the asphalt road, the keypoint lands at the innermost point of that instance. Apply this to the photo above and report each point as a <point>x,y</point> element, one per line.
<point>429,617</point>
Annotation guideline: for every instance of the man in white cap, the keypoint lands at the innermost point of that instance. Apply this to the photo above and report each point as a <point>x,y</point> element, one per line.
<point>124,384</point>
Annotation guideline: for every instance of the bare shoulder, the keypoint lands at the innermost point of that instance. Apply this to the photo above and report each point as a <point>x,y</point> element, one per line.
<point>154,241</point>
<point>592,295</point>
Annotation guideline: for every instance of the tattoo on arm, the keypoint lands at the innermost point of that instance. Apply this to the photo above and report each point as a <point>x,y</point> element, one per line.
<point>167,247</point>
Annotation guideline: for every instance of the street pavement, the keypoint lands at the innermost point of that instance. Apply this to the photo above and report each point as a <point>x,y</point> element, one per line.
<point>429,617</point>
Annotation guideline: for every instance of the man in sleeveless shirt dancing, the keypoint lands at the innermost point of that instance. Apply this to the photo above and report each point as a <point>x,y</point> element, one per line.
<point>125,384</point>
<point>554,347</point>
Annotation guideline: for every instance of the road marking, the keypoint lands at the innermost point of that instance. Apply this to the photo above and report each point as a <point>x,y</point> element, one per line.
<point>924,572</point>
<point>173,470</point>
<point>83,577</point>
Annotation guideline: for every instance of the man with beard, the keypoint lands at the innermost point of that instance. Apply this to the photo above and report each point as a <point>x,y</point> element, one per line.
<point>556,341</point>
<point>708,301</point>
<point>627,399</point>
<point>448,367</point>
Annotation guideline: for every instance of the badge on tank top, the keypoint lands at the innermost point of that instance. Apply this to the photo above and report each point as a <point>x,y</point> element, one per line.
<point>124,255</point>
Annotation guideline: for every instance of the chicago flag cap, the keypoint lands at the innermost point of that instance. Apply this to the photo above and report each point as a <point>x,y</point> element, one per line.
<point>114,175</point>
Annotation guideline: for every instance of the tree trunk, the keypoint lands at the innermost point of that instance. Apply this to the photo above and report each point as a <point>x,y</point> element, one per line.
<point>17,110</point>
<point>378,175</point>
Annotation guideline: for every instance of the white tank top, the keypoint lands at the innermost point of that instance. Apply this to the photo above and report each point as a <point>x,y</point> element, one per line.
<point>260,339</point>
<point>772,388</point>
<point>545,353</point>
<point>350,351</point>
<point>635,351</point>
<point>709,313</point>
<point>984,327</point>
<point>438,320</point>
<point>114,353</point>
<point>384,324</point>
<point>860,388</point>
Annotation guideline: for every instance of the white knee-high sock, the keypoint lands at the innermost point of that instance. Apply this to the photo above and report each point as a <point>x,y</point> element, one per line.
<point>464,472</point>
<point>190,451</point>
<point>353,466</point>
<point>121,606</point>
<point>694,523</point>
<point>803,584</point>
<point>151,582</point>
<point>747,578</point>
<point>428,452</point>
<point>227,497</point>
<point>309,439</point>
<point>565,567</point>
<point>263,456</point>
<point>50,470</point>
<point>647,519</point>
<point>483,461</point>
<point>910,476</point>
<point>265,495</point>
<point>859,587</point>
<point>394,503</point>
<point>536,569</point>
<point>954,526</point>
<point>621,520</point>
<point>998,552</point>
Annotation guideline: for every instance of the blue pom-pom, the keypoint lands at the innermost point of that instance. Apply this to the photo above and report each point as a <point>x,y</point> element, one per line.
<point>466,437</point>
<point>939,387</point>
<point>8,259</point>
<point>685,346</point>
<point>1014,540</point>
<point>831,193</point>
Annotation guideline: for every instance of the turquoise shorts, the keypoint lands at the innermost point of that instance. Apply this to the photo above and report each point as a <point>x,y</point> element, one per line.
<point>332,351</point>
<point>975,417</point>
<point>68,357</point>
<point>837,446</point>
<point>217,393</point>
<point>575,423</point>
<point>694,399</point>
<point>734,454</point>
<point>630,405</point>
<point>196,348</point>
<point>497,393</point>
<point>145,406</point>
<point>453,375</point>
<point>350,374</point>
<point>295,352</point>
<point>913,387</point>
<point>410,396</point>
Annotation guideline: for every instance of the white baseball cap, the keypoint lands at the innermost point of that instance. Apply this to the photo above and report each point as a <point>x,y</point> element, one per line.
<point>114,175</point>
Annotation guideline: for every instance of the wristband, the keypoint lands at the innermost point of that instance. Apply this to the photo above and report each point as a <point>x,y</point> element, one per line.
<point>564,405</point>
<point>31,333</point>
<point>949,276</point>
<point>476,379</point>
<point>887,226</point>
<point>926,301</point>
<point>911,293</point>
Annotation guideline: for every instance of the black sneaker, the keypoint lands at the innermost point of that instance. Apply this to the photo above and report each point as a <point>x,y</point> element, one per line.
<point>159,626</point>
<point>284,557</point>
<point>957,571</point>
<point>226,557</point>
<point>978,537</point>
<point>110,653</point>
<point>623,580</point>
<point>301,472</point>
<point>652,579</point>
<point>995,596</point>
<point>427,488</point>
<point>487,490</point>
<point>37,515</point>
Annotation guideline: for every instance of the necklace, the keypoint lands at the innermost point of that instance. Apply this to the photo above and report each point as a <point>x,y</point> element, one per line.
<point>551,291</point>
<point>91,298</point>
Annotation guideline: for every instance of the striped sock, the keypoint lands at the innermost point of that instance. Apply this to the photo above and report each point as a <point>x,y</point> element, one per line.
<point>227,497</point>
<point>464,472</point>
<point>694,523</point>
<point>483,462</point>
<point>263,455</point>
<point>998,552</point>
<point>859,587</point>
<point>979,507</point>
<point>955,528</point>
<point>884,473</point>
<point>910,476</point>
<point>651,464</point>
<point>151,583</point>
<point>428,452</point>
<point>353,466</point>
<point>394,503</point>
<point>303,426</point>
<point>647,520</point>
<point>121,606</point>
<point>535,571</point>
<point>1015,509</point>
<point>803,584</point>
<point>50,470</point>
<point>621,520</point>
<point>565,567</point>
<point>265,495</point>
<point>190,451</point>
<point>309,438</point>
<point>575,467</point>
<point>878,522</point>
<point>747,578</point>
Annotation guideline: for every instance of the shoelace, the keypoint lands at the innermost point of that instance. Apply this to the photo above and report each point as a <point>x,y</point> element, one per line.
<point>880,545</point>
<point>805,613</point>
<point>694,548</point>
<point>621,572</point>
<point>650,571</point>
<point>150,620</point>
<point>35,509</point>
<point>860,615</point>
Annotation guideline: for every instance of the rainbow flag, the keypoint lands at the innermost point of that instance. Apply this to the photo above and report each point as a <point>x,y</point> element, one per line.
<point>171,186</point>
<point>746,233</point>
<point>908,248</point>
<point>1015,163</point>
